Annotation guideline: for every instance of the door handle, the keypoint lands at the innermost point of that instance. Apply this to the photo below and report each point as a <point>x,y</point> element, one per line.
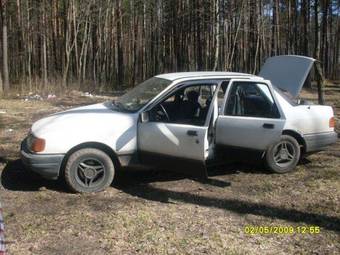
<point>268,126</point>
<point>192,133</point>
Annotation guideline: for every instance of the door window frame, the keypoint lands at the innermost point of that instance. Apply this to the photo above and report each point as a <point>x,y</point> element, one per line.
<point>185,84</point>
<point>265,82</point>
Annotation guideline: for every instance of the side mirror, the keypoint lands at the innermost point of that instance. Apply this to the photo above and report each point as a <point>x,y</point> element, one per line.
<point>145,117</point>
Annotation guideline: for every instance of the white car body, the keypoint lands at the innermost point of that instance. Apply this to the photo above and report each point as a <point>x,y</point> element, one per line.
<point>125,134</point>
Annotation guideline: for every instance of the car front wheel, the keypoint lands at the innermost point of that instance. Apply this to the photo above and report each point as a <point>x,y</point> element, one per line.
<point>283,156</point>
<point>89,170</point>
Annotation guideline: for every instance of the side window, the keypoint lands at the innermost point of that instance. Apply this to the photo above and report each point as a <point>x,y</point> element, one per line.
<point>251,99</point>
<point>188,105</point>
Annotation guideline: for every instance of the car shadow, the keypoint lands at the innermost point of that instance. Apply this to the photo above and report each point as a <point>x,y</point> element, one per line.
<point>132,178</point>
<point>136,177</point>
<point>304,161</point>
<point>16,177</point>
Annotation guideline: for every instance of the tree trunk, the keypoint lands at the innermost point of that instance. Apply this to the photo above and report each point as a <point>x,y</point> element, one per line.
<point>316,30</point>
<point>44,48</point>
<point>1,85</point>
<point>3,9</point>
<point>304,13</point>
<point>218,34</point>
<point>275,29</point>
<point>120,58</point>
<point>324,31</point>
<point>320,81</point>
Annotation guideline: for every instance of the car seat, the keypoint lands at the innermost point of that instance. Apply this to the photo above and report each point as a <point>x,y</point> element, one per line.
<point>190,108</point>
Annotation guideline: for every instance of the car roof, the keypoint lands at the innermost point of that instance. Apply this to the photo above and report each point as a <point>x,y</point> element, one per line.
<point>184,75</point>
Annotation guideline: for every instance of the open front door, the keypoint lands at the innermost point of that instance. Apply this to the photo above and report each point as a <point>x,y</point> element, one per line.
<point>250,117</point>
<point>175,135</point>
<point>174,147</point>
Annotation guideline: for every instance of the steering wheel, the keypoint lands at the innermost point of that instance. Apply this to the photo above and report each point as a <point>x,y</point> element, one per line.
<point>164,112</point>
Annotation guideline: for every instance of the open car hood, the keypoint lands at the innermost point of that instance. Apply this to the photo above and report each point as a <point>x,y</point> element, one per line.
<point>287,72</point>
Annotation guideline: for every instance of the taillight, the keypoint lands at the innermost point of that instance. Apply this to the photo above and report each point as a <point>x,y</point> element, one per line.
<point>332,122</point>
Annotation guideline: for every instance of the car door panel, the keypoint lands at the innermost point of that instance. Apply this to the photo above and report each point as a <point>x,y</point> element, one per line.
<point>233,129</point>
<point>173,139</point>
<point>174,147</point>
<point>246,132</point>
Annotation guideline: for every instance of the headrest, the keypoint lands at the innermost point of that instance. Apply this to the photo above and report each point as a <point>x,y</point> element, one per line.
<point>193,95</point>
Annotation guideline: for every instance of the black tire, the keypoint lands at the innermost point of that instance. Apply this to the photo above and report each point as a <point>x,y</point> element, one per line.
<point>287,161</point>
<point>89,170</point>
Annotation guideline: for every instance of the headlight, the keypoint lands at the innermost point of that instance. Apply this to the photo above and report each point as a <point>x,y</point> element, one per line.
<point>35,144</point>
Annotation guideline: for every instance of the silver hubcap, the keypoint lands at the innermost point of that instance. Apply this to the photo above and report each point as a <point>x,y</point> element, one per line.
<point>90,172</point>
<point>284,153</point>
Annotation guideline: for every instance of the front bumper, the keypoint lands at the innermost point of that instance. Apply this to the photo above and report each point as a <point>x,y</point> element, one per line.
<point>318,142</point>
<point>46,165</point>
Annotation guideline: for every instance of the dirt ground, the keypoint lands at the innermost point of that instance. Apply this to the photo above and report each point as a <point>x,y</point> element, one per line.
<point>159,212</point>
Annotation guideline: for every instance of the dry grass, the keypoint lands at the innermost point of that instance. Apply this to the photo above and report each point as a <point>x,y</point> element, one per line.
<point>165,213</point>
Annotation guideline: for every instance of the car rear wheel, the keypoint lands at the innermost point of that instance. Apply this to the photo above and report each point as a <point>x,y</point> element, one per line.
<point>89,170</point>
<point>283,156</point>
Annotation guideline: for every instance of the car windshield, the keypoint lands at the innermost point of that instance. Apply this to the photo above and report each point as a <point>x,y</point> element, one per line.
<point>139,96</point>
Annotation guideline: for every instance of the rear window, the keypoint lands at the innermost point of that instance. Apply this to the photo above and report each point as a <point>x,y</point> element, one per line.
<point>285,94</point>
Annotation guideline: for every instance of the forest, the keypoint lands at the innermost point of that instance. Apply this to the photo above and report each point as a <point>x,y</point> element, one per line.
<point>111,45</point>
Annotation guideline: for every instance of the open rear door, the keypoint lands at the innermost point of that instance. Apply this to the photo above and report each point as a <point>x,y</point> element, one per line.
<point>288,72</point>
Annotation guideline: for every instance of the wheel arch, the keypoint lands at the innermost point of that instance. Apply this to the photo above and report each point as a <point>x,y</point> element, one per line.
<point>95,145</point>
<point>299,138</point>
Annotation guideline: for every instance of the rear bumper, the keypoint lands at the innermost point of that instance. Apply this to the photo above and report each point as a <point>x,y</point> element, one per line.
<point>46,165</point>
<point>318,142</point>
